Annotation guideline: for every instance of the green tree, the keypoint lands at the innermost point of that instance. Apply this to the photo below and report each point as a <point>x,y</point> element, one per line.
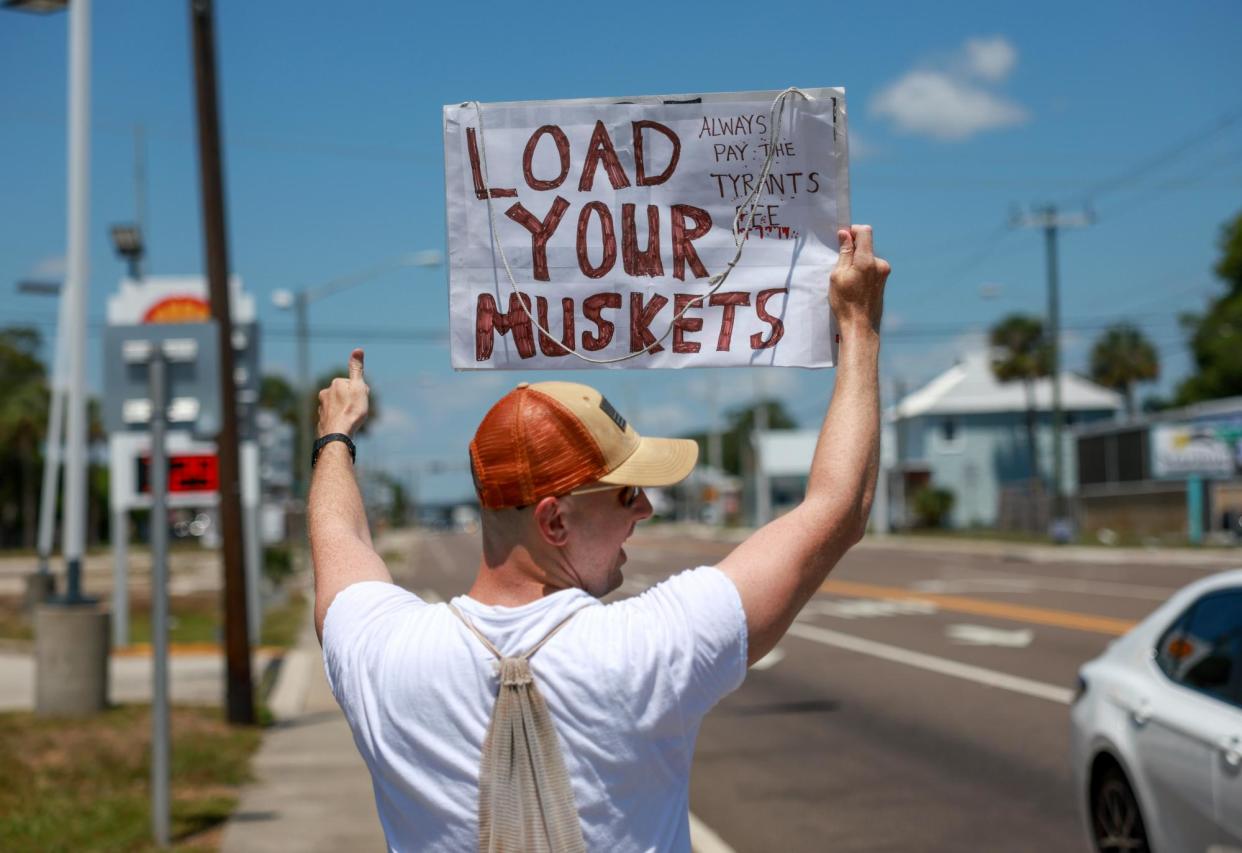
<point>735,437</point>
<point>280,396</point>
<point>1021,354</point>
<point>1122,356</point>
<point>1215,336</point>
<point>23,425</point>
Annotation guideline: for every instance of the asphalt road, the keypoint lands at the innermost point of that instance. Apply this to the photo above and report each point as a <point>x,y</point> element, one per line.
<point>920,702</point>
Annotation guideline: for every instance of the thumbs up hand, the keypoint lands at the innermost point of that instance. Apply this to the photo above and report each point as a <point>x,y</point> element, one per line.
<point>343,405</point>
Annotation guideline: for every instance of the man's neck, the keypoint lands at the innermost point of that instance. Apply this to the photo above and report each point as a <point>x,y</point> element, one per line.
<point>511,583</point>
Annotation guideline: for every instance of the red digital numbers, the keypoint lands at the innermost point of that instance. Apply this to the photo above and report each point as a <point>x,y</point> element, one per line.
<point>191,473</point>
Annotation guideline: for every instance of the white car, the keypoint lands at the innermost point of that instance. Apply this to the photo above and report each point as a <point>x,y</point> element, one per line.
<point>1157,728</point>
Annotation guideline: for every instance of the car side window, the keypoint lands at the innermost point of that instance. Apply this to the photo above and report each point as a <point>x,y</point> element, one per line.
<point>1202,650</point>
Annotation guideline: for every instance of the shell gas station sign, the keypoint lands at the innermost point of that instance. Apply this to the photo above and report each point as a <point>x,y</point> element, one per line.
<point>192,463</point>
<point>173,299</point>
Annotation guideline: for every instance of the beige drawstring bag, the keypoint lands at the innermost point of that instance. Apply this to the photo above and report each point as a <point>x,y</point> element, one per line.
<point>525,802</point>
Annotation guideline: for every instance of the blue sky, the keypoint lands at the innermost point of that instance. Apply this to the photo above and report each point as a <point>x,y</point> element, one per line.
<point>334,164</point>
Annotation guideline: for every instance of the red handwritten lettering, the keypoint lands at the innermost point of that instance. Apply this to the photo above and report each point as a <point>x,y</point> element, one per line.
<point>601,148</point>
<point>729,300</point>
<point>488,320</point>
<point>778,327</point>
<point>648,261</point>
<point>607,235</point>
<point>593,308</point>
<point>562,150</point>
<point>641,318</point>
<point>640,165</point>
<point>540,232</point>
<point>547,345</point>
<point>476,171</point>
<point>683,250</point>
<point>686,323</point>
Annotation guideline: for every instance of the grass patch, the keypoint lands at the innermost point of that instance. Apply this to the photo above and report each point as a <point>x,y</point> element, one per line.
<point>283,623</point>
<point>193,618</point>
<point>14,623</point>
<point>82,784</point>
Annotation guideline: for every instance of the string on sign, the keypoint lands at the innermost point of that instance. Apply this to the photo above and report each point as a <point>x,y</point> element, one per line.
<point>775,116</point>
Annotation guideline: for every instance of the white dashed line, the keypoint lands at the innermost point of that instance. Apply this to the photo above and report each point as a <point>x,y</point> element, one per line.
<point>931,663</point>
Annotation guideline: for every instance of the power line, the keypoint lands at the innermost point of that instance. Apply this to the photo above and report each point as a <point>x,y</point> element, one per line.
<point>1163,157</point>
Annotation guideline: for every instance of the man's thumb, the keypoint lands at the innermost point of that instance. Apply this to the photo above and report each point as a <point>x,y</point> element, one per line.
<point>846,256</point>
<point>355,364</point>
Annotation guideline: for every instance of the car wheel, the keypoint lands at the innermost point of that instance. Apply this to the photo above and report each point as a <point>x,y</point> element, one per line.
<point>1116,820</point>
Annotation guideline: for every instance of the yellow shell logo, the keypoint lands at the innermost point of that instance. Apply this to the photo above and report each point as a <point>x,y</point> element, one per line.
<point>178,309</point>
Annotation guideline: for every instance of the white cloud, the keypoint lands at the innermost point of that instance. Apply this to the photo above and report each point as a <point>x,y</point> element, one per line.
<point>990,58</point>
<point>954,101</point>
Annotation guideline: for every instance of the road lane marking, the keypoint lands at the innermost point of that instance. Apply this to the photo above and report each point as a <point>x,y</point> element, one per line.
<point>1009,583</point>
<point>931,663</point>
<point>981,607</point>
<point>867,608</point>
<point>704,840</point>
<point>769,660</point>
<point>982,635</point>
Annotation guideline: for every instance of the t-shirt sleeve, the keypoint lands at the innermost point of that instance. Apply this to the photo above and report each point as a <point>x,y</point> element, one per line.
<point>354,629</point>
<point>694,638</point>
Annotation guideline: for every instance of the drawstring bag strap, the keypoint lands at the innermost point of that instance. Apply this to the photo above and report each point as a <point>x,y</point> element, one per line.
<point>525,799</point>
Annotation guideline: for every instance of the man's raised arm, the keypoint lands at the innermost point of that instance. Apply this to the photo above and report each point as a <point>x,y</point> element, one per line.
<point>340,538</point>
<point>779,567</point>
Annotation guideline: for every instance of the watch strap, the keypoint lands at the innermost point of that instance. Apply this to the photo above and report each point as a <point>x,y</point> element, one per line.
<point>325,440</point>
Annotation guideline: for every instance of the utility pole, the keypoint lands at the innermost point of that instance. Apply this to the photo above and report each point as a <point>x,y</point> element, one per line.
<point>140,193</point>
<point>1051,220</point>
<point>239,697</point>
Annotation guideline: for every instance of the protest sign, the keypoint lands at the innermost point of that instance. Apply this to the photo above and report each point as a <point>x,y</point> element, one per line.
<point>612,227</point>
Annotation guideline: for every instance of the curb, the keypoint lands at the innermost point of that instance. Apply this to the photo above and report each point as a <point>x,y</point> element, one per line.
<point>288,696</point>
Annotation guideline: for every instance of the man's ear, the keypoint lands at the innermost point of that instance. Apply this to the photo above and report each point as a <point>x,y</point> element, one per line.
<point>550,519</point>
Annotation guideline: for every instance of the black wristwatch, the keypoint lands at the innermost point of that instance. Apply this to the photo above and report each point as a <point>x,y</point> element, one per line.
<point>323,441</point>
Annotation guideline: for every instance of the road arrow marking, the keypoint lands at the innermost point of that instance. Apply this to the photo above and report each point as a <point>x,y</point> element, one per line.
<point>980,635</point>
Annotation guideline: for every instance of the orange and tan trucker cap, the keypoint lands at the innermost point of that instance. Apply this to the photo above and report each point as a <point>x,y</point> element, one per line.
<point>550,438</point>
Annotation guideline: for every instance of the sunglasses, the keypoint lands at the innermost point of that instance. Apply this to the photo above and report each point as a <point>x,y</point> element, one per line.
<point>627,495</point>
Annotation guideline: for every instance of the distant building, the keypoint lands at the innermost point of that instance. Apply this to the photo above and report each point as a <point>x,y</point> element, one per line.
<point>965,431</point>
<point>1175,474</point>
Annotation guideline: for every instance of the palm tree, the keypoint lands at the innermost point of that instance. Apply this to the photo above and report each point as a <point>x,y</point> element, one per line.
<point>1021,354</point>
<point>23,419</point>
<point>1122,356</point>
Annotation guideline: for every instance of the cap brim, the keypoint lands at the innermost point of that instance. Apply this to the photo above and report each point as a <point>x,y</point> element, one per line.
<point>656,462</point>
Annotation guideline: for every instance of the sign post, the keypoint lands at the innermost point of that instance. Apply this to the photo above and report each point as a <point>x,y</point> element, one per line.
<point>160,373</point>
<point>160,746</point>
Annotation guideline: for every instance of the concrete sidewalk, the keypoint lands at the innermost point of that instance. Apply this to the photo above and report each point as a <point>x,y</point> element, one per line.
<point>195,678</point>
<point>312,791</point>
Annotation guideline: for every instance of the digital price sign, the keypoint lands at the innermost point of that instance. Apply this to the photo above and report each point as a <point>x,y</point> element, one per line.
<point>186,473</point>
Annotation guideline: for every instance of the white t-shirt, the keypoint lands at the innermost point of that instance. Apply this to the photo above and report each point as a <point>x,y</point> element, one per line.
<point>627,685</point>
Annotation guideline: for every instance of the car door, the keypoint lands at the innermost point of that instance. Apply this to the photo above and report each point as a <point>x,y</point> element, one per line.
<point>1173,754</point>
<point>1188,733</point>
<point>1227,776</point>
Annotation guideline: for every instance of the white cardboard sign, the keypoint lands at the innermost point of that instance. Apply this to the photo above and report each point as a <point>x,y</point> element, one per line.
<point>615,214</point>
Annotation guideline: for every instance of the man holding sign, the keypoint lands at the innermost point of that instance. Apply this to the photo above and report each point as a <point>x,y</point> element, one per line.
<point>526,715</point>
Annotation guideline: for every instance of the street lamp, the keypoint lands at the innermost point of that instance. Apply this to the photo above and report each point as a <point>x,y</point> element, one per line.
<point>127,240</point>
<point>299,300</point>
<point>76,252</point>
<point>39,7</point>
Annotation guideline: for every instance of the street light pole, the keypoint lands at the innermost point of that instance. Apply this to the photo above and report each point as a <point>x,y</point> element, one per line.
<point>299,300</point>
<point>75,291</point>
<point>302,303</point>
